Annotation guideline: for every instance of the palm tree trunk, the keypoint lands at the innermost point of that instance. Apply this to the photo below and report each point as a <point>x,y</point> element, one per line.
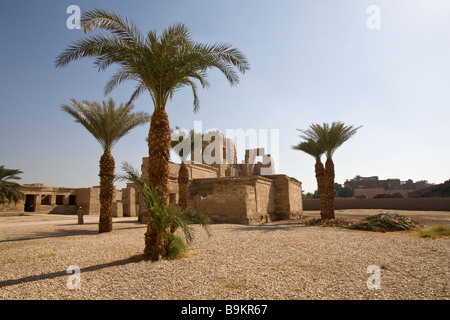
<point>107,167</point>
<point>320,173</point>
<point>329,186</point>
<point>183,185</point>
<point>155,245</point>
<point>159,139</point>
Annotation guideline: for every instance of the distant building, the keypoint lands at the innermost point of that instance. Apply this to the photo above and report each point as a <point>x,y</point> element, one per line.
<point>369,187</point>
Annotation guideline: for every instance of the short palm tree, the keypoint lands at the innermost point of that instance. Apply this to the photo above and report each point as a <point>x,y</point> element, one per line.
<point>180,137</point>
<point>9,190</point>
<point>312,148</point>
<point>327,139</point>
<point>108,124</point>
<point>160,241</point>
<point>160,65</point>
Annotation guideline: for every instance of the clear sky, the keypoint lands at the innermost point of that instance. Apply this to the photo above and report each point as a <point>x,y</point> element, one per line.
<point>311,62</point>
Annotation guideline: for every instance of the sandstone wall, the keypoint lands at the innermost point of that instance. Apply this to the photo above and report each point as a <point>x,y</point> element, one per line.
<point>129,201</point>
<point>244,200</point>
<point>42,199</point>
<point>288,200</point>
<point>223,201</point>
<point>12,208</point>
<point>422,204</point>
<point>89,200</point>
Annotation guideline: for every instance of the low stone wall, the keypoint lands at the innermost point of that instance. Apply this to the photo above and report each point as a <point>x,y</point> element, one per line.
<point>12,208</point>
<point>421,204</point>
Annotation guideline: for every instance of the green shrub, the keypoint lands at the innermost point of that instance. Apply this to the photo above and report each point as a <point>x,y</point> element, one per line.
<point>175,247</point>
<point>385,221</point>
<point>435,232</point>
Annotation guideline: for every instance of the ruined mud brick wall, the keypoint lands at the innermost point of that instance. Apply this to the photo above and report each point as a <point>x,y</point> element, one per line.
<point>12,208</point>
<point>423,204</point>
<point>245,200</point>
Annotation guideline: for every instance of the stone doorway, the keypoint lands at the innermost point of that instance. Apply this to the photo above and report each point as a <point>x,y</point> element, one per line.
<point>30,203</point>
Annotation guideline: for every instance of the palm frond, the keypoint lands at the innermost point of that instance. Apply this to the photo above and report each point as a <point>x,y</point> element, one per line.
<point>106,122</point>
<point>329,137</point>
<point>10,191</point>
<point>160,64</point>
<point>111,21</point>
<point>310,147</point>
<point>165,216</point>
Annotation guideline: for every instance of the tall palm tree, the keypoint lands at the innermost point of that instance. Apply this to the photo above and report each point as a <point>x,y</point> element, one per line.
<point>10,191</point>
<point>312,148</point>
<point>108,124</point>
<point>160,65</point>
<point>328,139</point>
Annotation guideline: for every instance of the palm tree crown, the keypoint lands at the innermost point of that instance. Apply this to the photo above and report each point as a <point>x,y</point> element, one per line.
<point>159,64</point>
<point>329,137</point>
<point>106,122</point>
<point>10,191</point>
<point>310,147</point>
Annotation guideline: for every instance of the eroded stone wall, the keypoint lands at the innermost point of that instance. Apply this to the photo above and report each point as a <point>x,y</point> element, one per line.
<point>243,200</point>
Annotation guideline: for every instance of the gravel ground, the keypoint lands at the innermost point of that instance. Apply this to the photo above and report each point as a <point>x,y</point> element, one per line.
<point>284,260</point>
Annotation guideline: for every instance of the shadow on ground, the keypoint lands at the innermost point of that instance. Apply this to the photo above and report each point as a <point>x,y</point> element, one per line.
<point>72,232</point>
<point>281,226</point>
<point>53,275</point>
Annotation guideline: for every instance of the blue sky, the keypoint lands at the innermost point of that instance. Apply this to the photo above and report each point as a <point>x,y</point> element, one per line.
<point>311,62</point>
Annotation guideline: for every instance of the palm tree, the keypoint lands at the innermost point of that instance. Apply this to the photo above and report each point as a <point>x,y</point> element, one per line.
<point>160,65</point>
<point>183,173</point>
<point>10,191</point>
<point>108,124</point>
<point>161,242</point>
<point>312,148</point>
<point>328,139</point>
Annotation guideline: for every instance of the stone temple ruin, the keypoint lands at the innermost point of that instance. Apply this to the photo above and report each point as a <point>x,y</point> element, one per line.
<point>228,192</point>
<point>246,193</point>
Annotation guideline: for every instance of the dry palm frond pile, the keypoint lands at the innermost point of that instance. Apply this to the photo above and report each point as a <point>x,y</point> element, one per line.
<point>384,222</point>
<point>338,222</point>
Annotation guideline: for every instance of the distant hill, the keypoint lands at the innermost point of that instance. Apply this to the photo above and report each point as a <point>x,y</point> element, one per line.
<point>436,191</point>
